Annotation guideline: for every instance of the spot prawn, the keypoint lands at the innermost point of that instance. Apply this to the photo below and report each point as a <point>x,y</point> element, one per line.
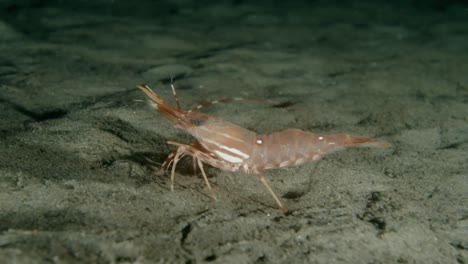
<point>230,147</point>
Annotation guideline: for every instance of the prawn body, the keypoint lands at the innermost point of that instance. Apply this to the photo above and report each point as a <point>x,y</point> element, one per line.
<point>230,147</point>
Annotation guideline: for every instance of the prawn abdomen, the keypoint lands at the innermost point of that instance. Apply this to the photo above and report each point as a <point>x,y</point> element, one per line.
<point>292,147</point>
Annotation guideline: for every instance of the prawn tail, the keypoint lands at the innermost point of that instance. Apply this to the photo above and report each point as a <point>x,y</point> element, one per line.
<point>177,116</point>
<point>346,140</point>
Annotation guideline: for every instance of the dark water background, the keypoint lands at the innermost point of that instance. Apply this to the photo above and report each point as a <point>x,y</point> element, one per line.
<point>79,151</point>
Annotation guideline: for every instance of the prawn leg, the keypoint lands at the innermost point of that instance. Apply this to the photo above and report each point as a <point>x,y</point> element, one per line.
<point>264,182</point>
<point>200,156</point>
<point>197,155</point>
<point>170,158</point>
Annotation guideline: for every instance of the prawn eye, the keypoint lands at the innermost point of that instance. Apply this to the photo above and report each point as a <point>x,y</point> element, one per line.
<point>197,122</point>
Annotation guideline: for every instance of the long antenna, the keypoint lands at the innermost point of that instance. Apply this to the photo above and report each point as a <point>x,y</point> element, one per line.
<point>175,94</point>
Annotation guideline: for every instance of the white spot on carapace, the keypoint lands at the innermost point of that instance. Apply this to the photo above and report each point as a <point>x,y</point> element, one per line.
<point>215,102</point>
<point>228,157</point>
<point>320,138</point>
<point>259,141</point>
<point>199,106</point>
<point>235,151</point>
<point>331,143</point>
<point>206,141</point>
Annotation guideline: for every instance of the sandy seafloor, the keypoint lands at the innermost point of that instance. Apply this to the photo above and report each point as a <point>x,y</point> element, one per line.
<point>78,151</point>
